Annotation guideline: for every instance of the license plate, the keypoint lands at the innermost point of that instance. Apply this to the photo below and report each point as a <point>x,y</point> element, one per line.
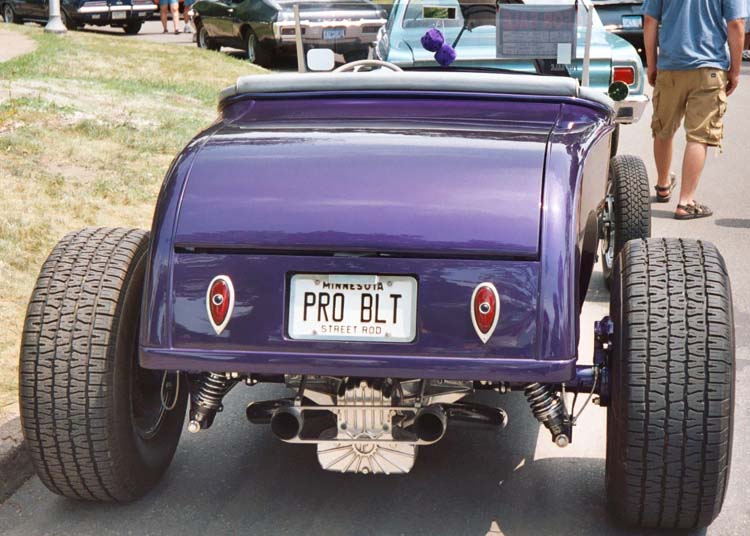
<point>632,21</point>
<point>116,15</point>
<point>333,307</point>
<point>334,33</point>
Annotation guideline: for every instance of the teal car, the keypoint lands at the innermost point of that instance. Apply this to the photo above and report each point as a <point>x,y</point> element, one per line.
<point>612,58</point>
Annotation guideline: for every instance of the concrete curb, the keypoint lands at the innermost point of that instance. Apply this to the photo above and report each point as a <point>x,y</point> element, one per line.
<point>15,462</point>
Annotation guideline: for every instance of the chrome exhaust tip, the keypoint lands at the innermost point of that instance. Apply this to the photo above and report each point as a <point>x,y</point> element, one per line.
<point>287,423</point>
<point>430,423</point>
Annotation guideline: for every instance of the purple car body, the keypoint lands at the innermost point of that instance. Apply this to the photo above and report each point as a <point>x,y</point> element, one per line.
<point>451,187</point>
<point>400,250</point>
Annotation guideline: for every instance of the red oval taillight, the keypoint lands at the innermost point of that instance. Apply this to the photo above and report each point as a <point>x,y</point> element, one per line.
<point>220,302</point>
<point>485,310</point>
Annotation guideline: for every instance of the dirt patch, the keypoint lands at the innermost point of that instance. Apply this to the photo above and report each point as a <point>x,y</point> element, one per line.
<point>88,127</point>
<point>14,45</point>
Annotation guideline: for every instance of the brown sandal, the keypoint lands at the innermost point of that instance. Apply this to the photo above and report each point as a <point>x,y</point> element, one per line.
<point>661,196</point>
<point>694,211</point>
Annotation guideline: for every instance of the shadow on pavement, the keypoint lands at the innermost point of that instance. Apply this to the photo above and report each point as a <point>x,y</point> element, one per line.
<point>238,478</point>
<point>734,223</point>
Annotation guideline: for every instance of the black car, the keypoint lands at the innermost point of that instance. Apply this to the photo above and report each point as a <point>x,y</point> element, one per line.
<point>624,18</point>
<point>264,28</point>
<point>126,14</point>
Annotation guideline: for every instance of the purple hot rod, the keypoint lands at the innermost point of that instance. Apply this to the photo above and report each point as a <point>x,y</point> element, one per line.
<point>387,244</point>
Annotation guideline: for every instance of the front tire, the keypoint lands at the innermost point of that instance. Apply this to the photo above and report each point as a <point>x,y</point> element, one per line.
<point>669,422</point>
<point>9,15</point>
<point>92,417</point>
<point>627,209</point>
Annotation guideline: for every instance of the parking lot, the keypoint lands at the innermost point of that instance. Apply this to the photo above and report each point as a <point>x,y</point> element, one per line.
<point>237,478</point>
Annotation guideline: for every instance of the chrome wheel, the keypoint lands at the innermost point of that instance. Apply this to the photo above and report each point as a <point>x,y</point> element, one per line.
<point>608,231</point>
<point>8,14</point>
<point>252,45</point>
<point>203,38</point>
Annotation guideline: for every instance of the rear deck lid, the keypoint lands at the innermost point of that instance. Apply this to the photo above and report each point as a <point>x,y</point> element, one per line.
<point>431,190</point>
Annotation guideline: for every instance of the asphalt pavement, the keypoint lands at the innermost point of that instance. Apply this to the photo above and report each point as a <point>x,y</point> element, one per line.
<point>236,478</point>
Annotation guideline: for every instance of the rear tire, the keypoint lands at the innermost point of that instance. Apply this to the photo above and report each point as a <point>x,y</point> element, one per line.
<point>92,417</point>
<point>669,422</point>
<point>69,23</point>
<point>132,28</point>
<point>255,51</point>
<point>627,209</point>
<point>203,39</point>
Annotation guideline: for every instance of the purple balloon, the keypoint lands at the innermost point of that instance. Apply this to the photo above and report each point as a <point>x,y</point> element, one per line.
<point>445,55</point>
<point>432,40</point>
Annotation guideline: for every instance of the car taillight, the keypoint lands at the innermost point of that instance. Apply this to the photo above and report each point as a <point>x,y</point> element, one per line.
<point>624,74</point>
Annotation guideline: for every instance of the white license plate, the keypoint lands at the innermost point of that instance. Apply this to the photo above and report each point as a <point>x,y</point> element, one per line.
<point>632,21</point>
<point>333,33</point>
<point>116,15</point>
<point>332,307</point>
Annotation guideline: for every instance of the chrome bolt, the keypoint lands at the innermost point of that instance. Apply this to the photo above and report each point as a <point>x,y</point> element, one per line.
<point>194,427</point>
<point>562,441</point>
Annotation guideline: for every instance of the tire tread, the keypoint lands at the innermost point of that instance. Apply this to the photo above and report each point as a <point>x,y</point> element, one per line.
<point>66,363</point>
<point>676,400</point>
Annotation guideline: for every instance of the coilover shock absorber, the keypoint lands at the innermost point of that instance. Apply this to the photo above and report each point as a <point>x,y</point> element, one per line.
<point>549,410</point>
<point>206,400</point>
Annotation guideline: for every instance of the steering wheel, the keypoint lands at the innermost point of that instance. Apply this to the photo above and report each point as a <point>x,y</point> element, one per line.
<point>355,66</point>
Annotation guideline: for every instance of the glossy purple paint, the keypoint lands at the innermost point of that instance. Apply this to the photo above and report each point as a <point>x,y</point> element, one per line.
<point>383,187</point>
<point>455,180</point>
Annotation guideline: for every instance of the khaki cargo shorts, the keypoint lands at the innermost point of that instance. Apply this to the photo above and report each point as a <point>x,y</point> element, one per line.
<point>700,96</point>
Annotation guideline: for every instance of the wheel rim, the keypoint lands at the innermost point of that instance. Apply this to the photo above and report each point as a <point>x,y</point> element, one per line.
<point>251,48</point>
<point>202,38</point>
<point>8,14</point>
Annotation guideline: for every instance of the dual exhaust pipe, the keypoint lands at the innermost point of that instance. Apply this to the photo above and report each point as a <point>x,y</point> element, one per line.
<point>287,423</point>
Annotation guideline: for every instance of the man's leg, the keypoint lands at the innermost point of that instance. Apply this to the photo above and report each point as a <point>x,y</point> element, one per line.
<point>175,15</point>
<point>163,8</point>
<point>692,168</point>
<point>663,158</point>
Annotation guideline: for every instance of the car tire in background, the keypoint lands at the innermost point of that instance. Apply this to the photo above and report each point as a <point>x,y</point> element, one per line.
<point>98,426</point>
<point>132,28</point>
<point>357,55</point>
<point>255,51</point>
<point>671,376</point>
<point>68,22</point>
<point>9,15</point>
<point>626,213</point>
<point>202,39</point>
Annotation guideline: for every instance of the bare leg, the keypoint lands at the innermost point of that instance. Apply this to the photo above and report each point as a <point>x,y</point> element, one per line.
<point>175,15</point>
<point>692,167</point>
<point>663,158</point>
<point>163,8</point>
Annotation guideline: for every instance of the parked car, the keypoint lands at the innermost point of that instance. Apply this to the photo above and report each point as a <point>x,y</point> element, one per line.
<point>264,28</point>
<point>386,245</point>
<point>625,19</point>
<point>612,58</point>
<point>126,14</point>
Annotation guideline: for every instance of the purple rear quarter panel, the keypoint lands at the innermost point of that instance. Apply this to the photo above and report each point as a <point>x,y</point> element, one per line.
<point>457,189</point>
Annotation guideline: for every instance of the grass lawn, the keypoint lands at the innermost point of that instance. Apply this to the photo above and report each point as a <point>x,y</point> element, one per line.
<point>88,126</point>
